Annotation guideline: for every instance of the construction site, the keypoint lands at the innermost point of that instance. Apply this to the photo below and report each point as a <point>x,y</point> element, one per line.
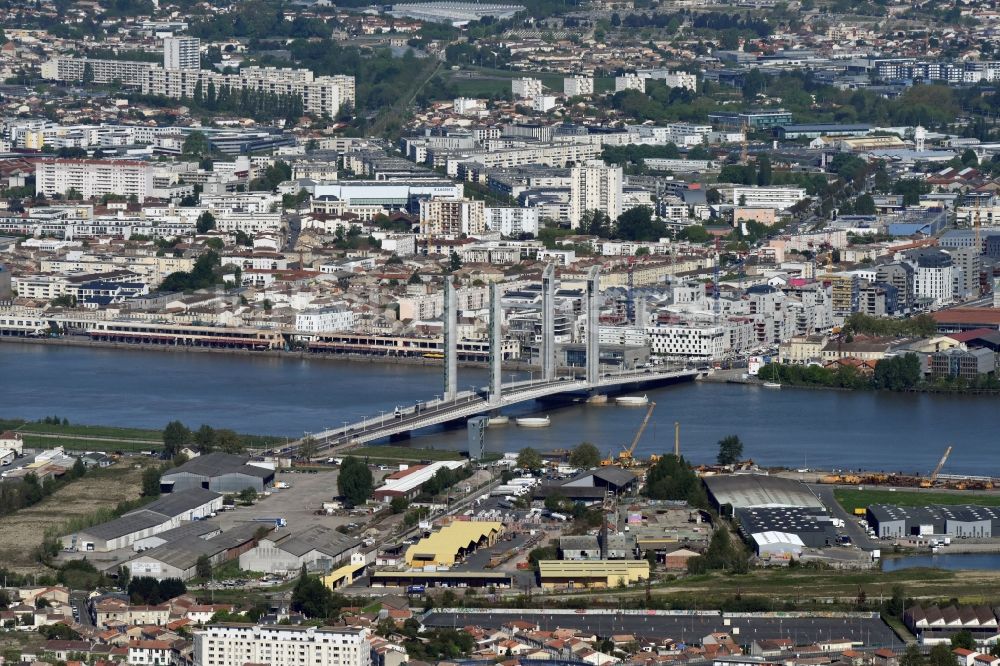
<point>898,480</point>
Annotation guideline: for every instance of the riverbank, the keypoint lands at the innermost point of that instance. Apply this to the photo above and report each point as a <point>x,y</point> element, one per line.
<point>736,376</point>
<point>510,366</point>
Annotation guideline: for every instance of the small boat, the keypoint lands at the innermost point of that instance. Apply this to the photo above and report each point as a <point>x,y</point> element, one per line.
<point>632,400</point>
<point>500,419</point>
<point>534,421</point>
<point>772,385</point>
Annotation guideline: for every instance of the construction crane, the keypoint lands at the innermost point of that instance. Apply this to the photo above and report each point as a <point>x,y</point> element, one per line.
<point>625,458</point>
<point>929,481</point>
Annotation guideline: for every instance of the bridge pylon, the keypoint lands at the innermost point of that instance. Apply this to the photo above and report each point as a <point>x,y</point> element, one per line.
<point>496,345</point>
<point>593,325</point>
<point>450,340</point>
<point>547,349</point>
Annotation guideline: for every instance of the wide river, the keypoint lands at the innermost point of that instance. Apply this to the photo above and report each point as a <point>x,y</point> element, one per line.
<point>287,396</point>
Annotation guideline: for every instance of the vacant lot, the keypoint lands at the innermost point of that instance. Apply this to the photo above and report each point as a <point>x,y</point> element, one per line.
<point>849,499</point>
<point>22,532</point>
<point>394,454</point>
<point>486,82</point>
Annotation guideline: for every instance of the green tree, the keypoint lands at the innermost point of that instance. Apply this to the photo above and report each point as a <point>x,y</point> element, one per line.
<point>398,505</point>
<point>354,482</point>
<point>963,639</point>
<point>940,655</point>
<point>228,441</point>
<point>308,448</point>
<point>205,223</point>
<point>584,456</point>
<point>764,170</point>
<point>912,656</point>
<point>196,143</point>
<point>672,478</point>
<point>203,567</point>
<point>730,450</point>
<point>247,496</point>
<point>529,459</point>
<point>204,439</point>
<point>637,224</point>
<point>175,437</point>
<point>314,599</point>
<point>454,262</point>
<point>151,482</point>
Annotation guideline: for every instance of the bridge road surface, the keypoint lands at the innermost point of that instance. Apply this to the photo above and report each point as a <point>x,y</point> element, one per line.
<point>872,632</point>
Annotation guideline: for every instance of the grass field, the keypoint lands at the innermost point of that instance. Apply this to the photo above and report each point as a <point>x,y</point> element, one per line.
<point>849,498</point>
<point>397,453</point>
<point>103,432</point>
<point>22,532</point>
<point>73,444</point>
<point>486,82</point>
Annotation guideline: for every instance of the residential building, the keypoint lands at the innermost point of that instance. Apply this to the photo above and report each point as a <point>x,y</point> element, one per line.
<point>182,53</point>
<point>511,221</point>
<point>630,82</point>
<point>335,318</point>
<point>595,185</point>
<point>452,217</point>
<point>239,644</point>
<point>935,276</point>
<point>779,198</point>
<point>94,178</point>
<point>526,88</point>
<point>688,341</point>
<point>900,276</point>
<point>968,261</point>
<point>575,86</point>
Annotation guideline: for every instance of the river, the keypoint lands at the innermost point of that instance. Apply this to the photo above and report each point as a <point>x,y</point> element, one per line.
<point>291,396</point>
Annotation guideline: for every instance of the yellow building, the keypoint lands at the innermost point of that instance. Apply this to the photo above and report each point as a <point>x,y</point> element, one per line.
<point>591,573</point>
<point>452,543</point>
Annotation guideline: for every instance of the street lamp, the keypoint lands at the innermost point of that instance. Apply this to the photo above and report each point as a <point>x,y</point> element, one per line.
<point>381,417</point>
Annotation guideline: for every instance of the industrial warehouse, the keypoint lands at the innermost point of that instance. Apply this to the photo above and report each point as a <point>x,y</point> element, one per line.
<point>452,543</point>
<point>220,472</point>
<point>572,574</point>
<point>965,521</point>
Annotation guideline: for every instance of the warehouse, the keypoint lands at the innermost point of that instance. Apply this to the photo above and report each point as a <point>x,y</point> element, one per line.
<point>318,548</point>
<point>496,579</point>
<point>180,558</point>
<point>759,491</point>
<point>221,472</point>
<point>452,543</point>
<point>163,514</point>
<point>408,481</point>
<point>591,485</point>
<point>197,528</point>
<point>591,573</point>
<point>585,547</point>
<point>935,624</point>
<point>966,521</point>
<point>812,527</point>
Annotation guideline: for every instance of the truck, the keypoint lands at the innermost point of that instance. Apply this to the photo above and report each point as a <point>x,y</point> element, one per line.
<point>277,522</point>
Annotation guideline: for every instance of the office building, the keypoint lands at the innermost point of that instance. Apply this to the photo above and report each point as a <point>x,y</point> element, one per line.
<point>751,120</point>
<point>94,178</point>
<point>452,217</point>
<point>182,53</point>
<point>239,644</point>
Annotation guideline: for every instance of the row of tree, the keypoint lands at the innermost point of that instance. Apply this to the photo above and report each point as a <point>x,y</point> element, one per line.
<point>206,439</point>
<point>17,495</point>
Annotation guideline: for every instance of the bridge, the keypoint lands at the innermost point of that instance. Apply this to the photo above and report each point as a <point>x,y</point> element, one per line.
<point>456,405</point>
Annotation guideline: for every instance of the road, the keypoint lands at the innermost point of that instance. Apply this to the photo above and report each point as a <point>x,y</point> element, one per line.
<point>78,600</point>
<point>851,526</point>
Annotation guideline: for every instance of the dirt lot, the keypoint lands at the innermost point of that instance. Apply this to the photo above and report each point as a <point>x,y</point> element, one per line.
<point>23,531</point>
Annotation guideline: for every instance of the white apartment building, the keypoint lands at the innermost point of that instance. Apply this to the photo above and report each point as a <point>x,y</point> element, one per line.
<point>94,178</point>
<point>671,79</point>
<point>688,341</point>
<point>779,198</point>
<point>632,336</point>
<point>936,282</point>
<point>128,72</point>
<point>595,186</point>
<point>553,154</point>
<point>465,106</point>
<point>630,82</point>
<point>336,318</point>
<point>181,53</point>
<point>251,224</point>
<point>542,103</point>
<point>239,644</point>
<point>574,86</point>
<point>452,217</point>
<point>510,221</point>
<point>526,88</point>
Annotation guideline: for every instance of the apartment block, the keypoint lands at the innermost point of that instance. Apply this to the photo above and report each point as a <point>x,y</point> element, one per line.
<point>94,178</point>
<point>182,53</point>
<point>128,72</point>
<point>574,86</point>
<point>630,82</point>
<point>595,186</point>
<point>511,221</point>
<point>239,644</point>
<point>779,198</point>
<point>452,217</point>
<point>526,88</point>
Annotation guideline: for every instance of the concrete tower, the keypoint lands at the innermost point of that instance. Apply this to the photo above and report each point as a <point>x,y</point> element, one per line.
<point>593,325</point>
<point>450,340</point>
<point>496,344</point>
<point>548,346</point>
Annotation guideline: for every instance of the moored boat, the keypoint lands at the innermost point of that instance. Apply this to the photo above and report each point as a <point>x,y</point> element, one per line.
<point>632,400</point>
<point>534,421</point>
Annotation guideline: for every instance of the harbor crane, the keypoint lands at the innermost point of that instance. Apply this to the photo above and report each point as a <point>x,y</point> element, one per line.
<point>625,458</point>
<point>929,481</point>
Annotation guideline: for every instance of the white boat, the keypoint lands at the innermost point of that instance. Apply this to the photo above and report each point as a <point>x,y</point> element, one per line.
<point>632,400</point>
<point>534,421</point>
<point>772,385</point>
<point>500,419</point>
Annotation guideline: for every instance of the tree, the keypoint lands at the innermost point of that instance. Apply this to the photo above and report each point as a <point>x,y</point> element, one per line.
<point>205,223</point>
<point>637,224</point>
<point>454,262</point>
<point>584,456</point>
<point>228,441</point>
<point>151,482</point>
<point>963,639</point>
<point>730,450</point>
<point>672,478</point>
<point>940,655</point>
<point>764,170</point>
<point>175,437</point>
<point>203,567</point>
<point>308,448</point>
<point>529,459</point>
<point>195,143</point>
<point>247,496</point>
<point>314,599</point>
<point>354,482</point>
<point>398,505</point>
<point>912,656</point>
<point>204,439</point>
